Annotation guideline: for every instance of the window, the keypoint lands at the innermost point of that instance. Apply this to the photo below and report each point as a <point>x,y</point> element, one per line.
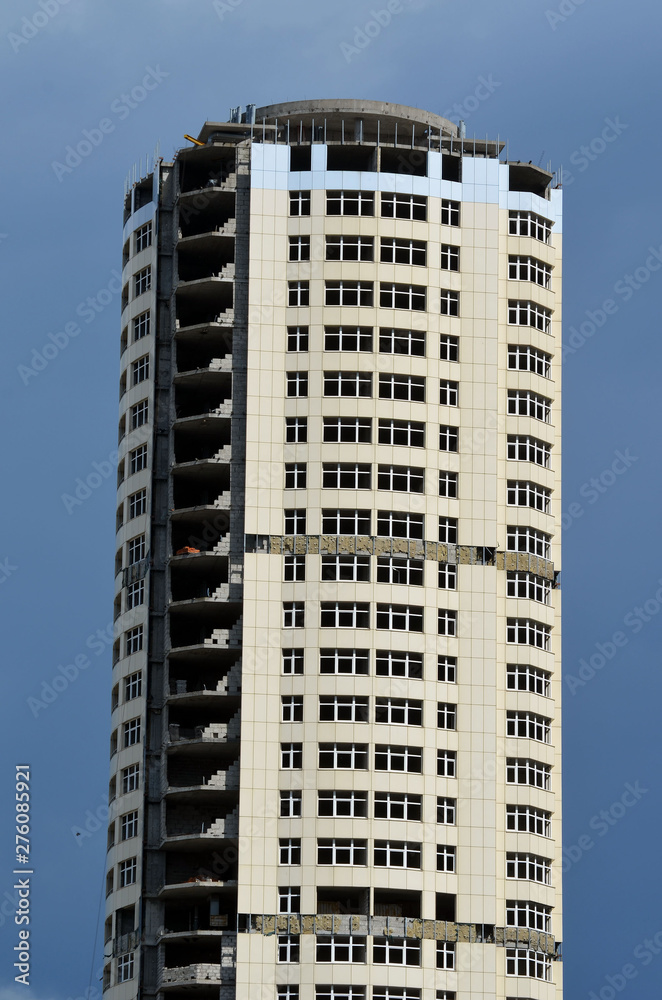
<point>529,404</point>
<point>399,524</point>
<point>137,504</point>
<point>355,430</point>
<point>139,414</point>
<point>348,293</point>
<point>288,948</point>
<point>448,393</point>
<point>347,338</point>
<point>142,281</point>
<point>343,708</point>
<point>298,293</point>
<point>527,632</point>
<point>447,576</point>
<point>297,338</point>
<point>299,202</point>
<point>524,313</point>
<point>525,678</point>
<point>350,203</point>
<point>529,867</point>
<point>529,224</point>
<point>287,991</point>
<point>296,430</point>
<point>399,251</point>
<point>450,212</point>
<point>524,913</point>
<point>446,622</point>
<point>445,954</point>
<point>398,569</point>
<point>143,237</point>
<point>340,993</point>
<point>135,550</point>
<point>399,711</point>
<point>138,459</point>
<point>289,899</point>
<point>390,663</point>
<point>290,804</point>
<point>295,476</point>
<point>409,433</point>
<point>446,762</point>
<point>400,617</point>
<point>408,387</point>
<point>129,825</point>
<point>528,585</point>
<point>404,206</point>
<point>401,479</point>
<point>141,326</point>
<point>528,772</point>
<point>448,438</point>
<point>527,725</point>
<point>140,370</point>
<point>450,302</point>
<point>135,594</point>
<point>125,968</point>
<point>131,733</point>
<point>400,296</point>
<point>353,756</point>
<point>293,614</point>
<point>295,521</point>
<point>448,485</point>
<point>289,851</point>
<point>447,669</point>
<point>519,539</point>
<point>336,803</point>
<point>397,341</point>
<point>291,708</point>
<point>340,948</point>
<point>526,819</point>
<point>349,248</point>
<point>529,449</point>
<point>344,661</point>
<point>446,715</point>
<point>133,685</point>
<point>345,476</point>
<point>391,805</point>
<point>128,872</point>
<point>341,851</point>
<point>344,614</point>
<point>446,809</point>
<point>292,661</point>
<point>299,248</point>
<point>350,568</point>
<point>450,257</point>
<point>528,359</point>
<point>524,962</point>
<point>399,758</point>
<point>347,383</point>
<point>291,756</point>
<point>134,640</point>
<point>449,348</point>
<point>445,858</point>
<point>524,494</point>
<point>346,522</point>
<point>131,775</point>
<point>396,951</point>
<point>395,993</point>
<point>529,269</point>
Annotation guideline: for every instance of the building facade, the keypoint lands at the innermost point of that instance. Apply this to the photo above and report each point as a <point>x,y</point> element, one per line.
<point>335,749</point>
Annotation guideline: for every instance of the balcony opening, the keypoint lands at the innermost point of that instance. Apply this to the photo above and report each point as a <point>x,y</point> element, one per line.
<point>142,193</point>
<point>300,158</point>
<point>446,907</point>
<point>451,167</point>
<point>205,172</point>
<point>351,158</point>
<point>341,899</point>
<point>527,177</point>
<point>404,161</point>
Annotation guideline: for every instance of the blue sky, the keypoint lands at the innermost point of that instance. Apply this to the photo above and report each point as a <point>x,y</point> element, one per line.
<point>563,75</point>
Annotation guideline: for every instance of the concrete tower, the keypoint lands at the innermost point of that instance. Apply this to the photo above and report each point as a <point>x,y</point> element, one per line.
<point>335,741</point>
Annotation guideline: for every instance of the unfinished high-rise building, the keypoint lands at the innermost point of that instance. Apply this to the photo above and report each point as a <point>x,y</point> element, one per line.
<point>335,749</point>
